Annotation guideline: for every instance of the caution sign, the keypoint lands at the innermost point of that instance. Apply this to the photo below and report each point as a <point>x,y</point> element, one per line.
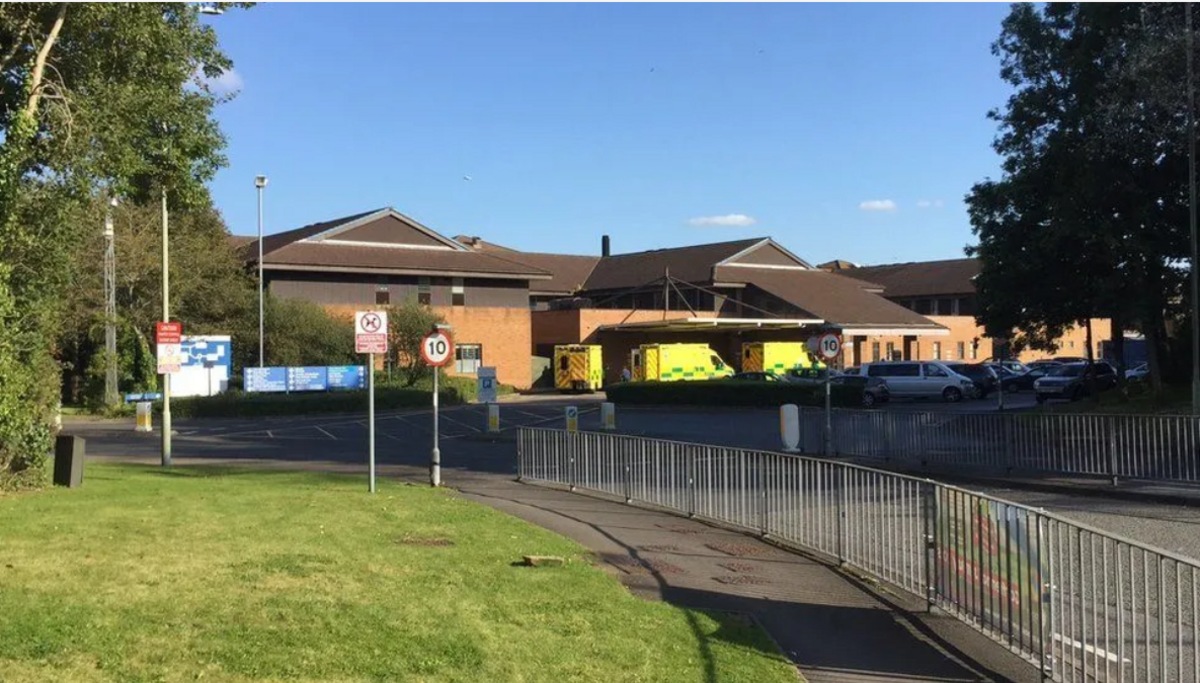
<point>370,332</point>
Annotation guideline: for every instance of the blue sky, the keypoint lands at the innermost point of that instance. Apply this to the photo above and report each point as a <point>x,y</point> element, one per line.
<point>638,121</point>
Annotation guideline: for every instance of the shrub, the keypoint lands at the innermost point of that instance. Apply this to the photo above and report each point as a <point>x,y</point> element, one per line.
<point>724,392</point>
<point>299,333</point>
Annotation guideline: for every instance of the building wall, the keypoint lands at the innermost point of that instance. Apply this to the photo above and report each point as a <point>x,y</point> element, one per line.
<point>963,330</point>
<point>503,334</point>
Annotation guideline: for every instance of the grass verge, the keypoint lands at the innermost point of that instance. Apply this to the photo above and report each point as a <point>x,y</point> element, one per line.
<point>243,575</point>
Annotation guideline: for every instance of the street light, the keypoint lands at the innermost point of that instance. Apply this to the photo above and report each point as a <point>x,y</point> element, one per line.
<point>1195,277</point>
<point>110,308</point>
<point>260,182</point>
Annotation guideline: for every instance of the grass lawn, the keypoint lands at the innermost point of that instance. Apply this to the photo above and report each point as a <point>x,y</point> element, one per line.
<point>241,575</point>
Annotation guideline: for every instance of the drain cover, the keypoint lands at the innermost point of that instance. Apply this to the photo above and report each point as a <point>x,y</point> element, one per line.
<point>660,548</point>
<point>738,567</point>
<point>738,549</point>
<point>742,580</point>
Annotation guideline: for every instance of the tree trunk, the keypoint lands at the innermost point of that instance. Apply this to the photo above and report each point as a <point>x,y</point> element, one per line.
<point>1153,358</point>
<point>1117,340</point>
<point>1089,378</point>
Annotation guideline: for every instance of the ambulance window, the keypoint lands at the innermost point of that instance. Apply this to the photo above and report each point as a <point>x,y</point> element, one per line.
<point>746,353</point>
<point>564,363</point>
<point>716,362</point>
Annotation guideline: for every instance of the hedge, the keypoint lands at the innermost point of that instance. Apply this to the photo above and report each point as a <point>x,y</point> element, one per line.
<point>238,404</point>
<point>725,392</point>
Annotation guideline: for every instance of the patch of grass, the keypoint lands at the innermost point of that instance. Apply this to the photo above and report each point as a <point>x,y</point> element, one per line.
<point>1138,400</point>
<point>243,575</point>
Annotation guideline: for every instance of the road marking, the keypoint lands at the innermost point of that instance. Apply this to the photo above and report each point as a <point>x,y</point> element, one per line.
<point>270,435</point>
<point>459,422</point>
<point>325,433</point>
<point>1090,649</point>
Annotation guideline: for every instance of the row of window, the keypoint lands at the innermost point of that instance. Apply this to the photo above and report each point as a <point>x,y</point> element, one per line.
<point>963,349</point>
<point>944,306</point>
<point>458,293</point>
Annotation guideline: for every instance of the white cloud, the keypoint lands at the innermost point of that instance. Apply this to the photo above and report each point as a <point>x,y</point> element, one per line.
<point>735,220</point>
<point>878,205</point>
<point>228,83</point>
<point>930,204</point>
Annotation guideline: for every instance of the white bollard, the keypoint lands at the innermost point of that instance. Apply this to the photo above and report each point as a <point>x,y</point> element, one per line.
<point>608,416</point>
<point>144,416</point>
<point>572,414</point>
<point>493,418</point>
<point>789,427</point>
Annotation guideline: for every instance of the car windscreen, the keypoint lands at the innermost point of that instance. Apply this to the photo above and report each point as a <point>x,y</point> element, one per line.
<point>1067,371</point>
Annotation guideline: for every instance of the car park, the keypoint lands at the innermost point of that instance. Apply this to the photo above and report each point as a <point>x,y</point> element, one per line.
<point>1073,381</point>
<point>1010,380</point>
<point>983,376</point>
<point>875,389</point>
<point>921,379</point>
<point>757,377</point>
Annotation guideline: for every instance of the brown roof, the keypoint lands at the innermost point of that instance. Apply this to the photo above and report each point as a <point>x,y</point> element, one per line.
<point>239,241</point>
<point>327,256</point>
<point>922,278</point>
<point>833,298</point>
<point>478,244</point>
<point>568,273</point>
<point>837,264</point>
<point>690,264</point>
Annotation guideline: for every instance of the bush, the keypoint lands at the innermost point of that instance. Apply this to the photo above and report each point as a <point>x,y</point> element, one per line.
<point>300,333</point>
<point>465,388</point>
<point>724,392</point>
<point>237,404</point>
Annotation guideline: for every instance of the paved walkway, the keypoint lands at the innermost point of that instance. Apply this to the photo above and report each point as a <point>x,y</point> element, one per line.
<point>835,629</point>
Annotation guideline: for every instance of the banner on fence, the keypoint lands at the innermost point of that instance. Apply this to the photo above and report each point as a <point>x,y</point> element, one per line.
<point>990,562</point>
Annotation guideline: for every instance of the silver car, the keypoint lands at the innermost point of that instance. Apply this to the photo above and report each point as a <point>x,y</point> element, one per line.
<point>921,379</point>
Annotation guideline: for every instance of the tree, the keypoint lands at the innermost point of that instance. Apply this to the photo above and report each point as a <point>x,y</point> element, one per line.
<point>408,323</point>
<point>299,332</point>
<point>1086,220</point>
<point>95,99</point>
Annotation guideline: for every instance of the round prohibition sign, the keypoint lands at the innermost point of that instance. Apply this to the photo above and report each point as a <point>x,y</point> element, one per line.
<point>830,345</point>
<point>371,323</point>
<point>437,348</point>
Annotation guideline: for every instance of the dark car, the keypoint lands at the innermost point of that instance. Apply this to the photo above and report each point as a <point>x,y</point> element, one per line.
<point>979,373</point>
<point>1037,370</point>
<point>875,390</point>
<point>1010,381</point>
<point>757,377</point>
<point>1071,381</point>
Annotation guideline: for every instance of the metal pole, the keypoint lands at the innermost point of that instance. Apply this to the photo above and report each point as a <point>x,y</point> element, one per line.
<point>828,415</point>
<point>1195,276</point>
<point>166,316</point>
<point>435,462</point>
<point>371,418</point>
<point>261,337</point>
<point>1000,381</point>
<point>110,312</point>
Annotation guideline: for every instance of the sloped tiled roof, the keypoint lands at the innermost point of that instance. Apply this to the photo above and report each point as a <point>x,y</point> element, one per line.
<point>690,264</point>
<point>834,298</point>
<point>568,272</point>
<point>921,278</point>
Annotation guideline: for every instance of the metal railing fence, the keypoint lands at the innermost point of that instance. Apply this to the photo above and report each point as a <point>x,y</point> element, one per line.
<point>1149,447</point>
<point>1081,604</point>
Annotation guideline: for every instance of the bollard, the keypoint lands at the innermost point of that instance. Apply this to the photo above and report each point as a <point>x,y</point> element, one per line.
<point>789,427</point>
<point>493,418</point>
<point>144,417</point>
<point>68,461</point>
<point>608,416</point>
<point>572,414</point>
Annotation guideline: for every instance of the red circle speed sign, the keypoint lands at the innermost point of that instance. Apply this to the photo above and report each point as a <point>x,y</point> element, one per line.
<point>437,348</point>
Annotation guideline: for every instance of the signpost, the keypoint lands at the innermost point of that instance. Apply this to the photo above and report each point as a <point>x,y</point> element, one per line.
<point>572,419</point>
<point>437,348</point>
<point>828,347</point>
<point>168,337</point>
<point>486,384</point>
<point>370,337</point>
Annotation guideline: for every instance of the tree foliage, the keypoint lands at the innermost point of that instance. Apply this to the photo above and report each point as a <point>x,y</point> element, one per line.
<point>408,323</point>
<point>1089,217</point>
<point>299,332</point>
<point>95,99</point>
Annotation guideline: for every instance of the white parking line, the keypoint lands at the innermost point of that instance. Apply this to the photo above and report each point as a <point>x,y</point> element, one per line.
<point>325,433</point>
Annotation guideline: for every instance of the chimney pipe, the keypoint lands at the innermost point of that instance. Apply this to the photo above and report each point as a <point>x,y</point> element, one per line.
<point>605,246</point>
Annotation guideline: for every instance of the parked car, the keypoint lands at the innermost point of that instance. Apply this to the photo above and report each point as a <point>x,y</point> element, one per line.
<point>1070,359</point>
<point>1011,381</point>
<point>875,389</point>
<point>1014,366</point>
<point>920,379</point>
<point>757,377</point>
<point>1138,373</point>
<point>984,377</point>
<point>1071,380</point>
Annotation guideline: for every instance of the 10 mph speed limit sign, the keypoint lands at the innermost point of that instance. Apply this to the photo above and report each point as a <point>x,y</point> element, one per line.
<point>828,346</point>
<point>437,348</point>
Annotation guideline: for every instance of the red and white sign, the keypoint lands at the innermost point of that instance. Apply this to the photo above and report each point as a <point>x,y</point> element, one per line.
<point>437,348</point>
<point>827,346</point>
<point>169,357</point>
<point>370,332</point>
<point>168,333</point>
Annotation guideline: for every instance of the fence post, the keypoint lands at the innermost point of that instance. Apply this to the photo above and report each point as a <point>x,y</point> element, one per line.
<point>1111,433</point>
<point>1008,421</point>
<point>521,454</point>
<point>929,550</point>
<point>760,483</point>
<point>889,435</point>
<point>573,443</point>
<point>840,485</point>
<point>691,483</point>
<point>628,458</point>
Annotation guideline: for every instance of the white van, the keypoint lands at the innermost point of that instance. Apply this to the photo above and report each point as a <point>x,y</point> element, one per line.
<point>920,379</point>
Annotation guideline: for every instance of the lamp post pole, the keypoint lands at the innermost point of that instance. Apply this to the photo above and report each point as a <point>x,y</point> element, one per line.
<point>166,316</point>
<point>260,182</point>
<point>1195,277</point>
<point>110,309</point>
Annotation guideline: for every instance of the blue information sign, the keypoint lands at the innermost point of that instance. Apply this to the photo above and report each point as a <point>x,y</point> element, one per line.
<point>266,379</point>
<point>134,398</point>
<point>308,379</point>
<point>347,377</point>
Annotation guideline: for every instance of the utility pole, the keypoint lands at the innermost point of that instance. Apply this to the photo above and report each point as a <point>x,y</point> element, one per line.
<point>260,182</point>
<point>110,309</point>
<point>1195,277</point>
<point>166,316</point>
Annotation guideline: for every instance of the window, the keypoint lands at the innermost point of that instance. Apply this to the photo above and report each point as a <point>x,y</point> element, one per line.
<point>935,371</point>
<point>424,295</point>
<point>906,370</point>
<point>880,370</point>
<point>933,307</point>
<point>1071,344</point>
<point>954,308</point>
<point>974,350</point>
<point>382,296</point>
<point>962,350</point>
<point>468,358</point>
<point>923,307</point>
<point>875,351</point>
<point>458,296</point>
<point>937,350</point>
<point>891,351</point>
<point>946,306</point>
